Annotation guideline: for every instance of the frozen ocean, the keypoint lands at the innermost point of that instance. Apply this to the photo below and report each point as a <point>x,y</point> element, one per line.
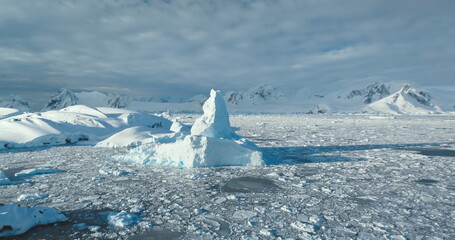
<point>325,177</point>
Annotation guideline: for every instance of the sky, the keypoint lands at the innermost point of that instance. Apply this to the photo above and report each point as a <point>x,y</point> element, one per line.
<point>186,47</point>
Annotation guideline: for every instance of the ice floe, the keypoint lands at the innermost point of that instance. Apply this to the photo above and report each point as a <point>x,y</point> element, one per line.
<point>4,179</point>
<point>122,219</point>
<point>16,220</point>
<point>36,171</point>
<point>31,197</point>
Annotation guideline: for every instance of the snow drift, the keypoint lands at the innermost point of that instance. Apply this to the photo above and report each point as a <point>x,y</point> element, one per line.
<point>136,136</point>
<point>15,220</point>
<point>8,112</point>
<point>212,142</point>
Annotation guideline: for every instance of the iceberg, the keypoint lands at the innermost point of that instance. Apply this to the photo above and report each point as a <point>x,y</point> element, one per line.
<point>214,123</point>
<point>197,151</point>
<point>212,143</point>
<point>16,220</point>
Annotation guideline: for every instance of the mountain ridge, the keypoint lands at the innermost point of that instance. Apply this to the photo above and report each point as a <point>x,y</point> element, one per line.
<point>406,101</point>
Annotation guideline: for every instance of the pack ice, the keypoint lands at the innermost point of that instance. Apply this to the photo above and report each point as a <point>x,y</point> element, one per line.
<point>212,142</point>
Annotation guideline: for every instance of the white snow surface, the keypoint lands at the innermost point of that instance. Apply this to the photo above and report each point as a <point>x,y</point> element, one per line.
<point>8,112</point>
<point>136,136</point>
<point>16,220</point>
<point>180,127</point>
<point>214,123</point>
<point>71,125</point>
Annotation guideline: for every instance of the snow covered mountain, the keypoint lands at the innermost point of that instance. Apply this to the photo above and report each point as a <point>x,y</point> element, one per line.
<point>371,93</point>
<point>16,102</point>
<point>63,99</point>
<point>261,94</point>
<point>66,98</point>
<point>342,98</point>
<point>339,98</point>
<point>406,101</point>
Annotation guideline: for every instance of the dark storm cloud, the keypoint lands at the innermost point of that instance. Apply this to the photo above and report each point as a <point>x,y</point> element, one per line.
<point>188,46</point>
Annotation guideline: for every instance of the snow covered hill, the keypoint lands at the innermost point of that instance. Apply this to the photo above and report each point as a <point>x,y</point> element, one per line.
<point>406,101</point>
<point>8,112</point>
<point>16,102</point>
<point>71,125</point>
<point>67,97</point>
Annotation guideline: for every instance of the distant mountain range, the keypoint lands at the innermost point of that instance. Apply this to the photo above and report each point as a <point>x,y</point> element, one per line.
<point>373,98</point>
<point>66,98</point>
<point>261,94</point>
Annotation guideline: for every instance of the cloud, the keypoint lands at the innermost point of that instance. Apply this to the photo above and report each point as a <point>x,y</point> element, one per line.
<point>334,56</point>
<point>189,46</point>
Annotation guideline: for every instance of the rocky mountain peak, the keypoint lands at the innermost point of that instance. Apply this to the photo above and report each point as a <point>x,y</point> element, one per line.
<point>371,93</point>
<point>63,99</point>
